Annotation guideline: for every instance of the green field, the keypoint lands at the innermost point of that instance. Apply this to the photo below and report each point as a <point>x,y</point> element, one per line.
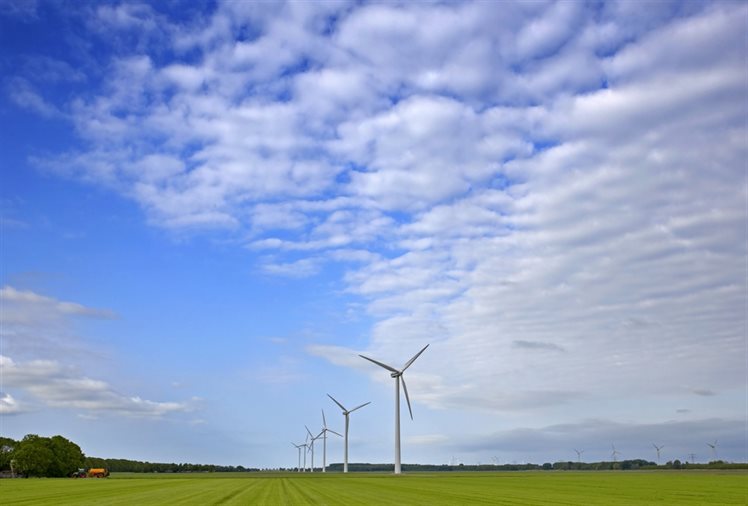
<point>432,489</point>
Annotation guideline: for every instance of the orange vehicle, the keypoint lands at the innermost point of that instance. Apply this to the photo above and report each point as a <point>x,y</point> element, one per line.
<point>98,472</point>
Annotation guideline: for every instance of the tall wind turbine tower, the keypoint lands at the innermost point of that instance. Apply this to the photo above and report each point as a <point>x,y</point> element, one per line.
<point>324,432</point>
<point>658,448</point>
<point>346,413</point>
<point>398,376</point>
<point>306,448</point>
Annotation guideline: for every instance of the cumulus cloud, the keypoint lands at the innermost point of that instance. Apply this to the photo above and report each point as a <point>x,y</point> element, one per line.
<point>26,306</point>
<point>8,404</point>
<point>58,386</point>
<point>38,325</point>
<point>509,184</point>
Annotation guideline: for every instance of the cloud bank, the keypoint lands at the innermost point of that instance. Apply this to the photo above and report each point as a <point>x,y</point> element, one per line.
<point>552,194</point>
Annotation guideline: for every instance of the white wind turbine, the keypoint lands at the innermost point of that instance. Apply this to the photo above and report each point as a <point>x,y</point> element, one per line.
<point>306,447</point>
<point>398,376</point>
<point>312,439</point>
<point>324,432</point>
<point>658,448</point>
<point>299,447</point>
<point>346,413</point>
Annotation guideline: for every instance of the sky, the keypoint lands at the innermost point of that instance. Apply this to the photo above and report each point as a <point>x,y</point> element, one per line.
<point>209,209</point>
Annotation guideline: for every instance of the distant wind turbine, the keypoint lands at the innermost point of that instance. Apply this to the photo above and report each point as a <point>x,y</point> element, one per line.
<point>306,448</point>
<point>299,447</point>
<point>579,454</point>
<point>346,413</point>
<point>615,453</point>
<point>398,376</point>
<point>658,448</point>
<point>693,457</point>
<point>713,446</point>
<point>312,439</point>
<point>324,432</point>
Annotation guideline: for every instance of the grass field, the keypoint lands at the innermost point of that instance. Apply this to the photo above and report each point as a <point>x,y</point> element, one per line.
<point>432,489</point>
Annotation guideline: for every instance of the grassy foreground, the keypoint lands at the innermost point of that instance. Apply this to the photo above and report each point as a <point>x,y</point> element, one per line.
<point>432,489</point>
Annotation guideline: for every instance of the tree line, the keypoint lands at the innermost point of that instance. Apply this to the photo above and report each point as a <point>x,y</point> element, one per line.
<point>623,465</point>
<point>40,456</point>
<point>56,457</point>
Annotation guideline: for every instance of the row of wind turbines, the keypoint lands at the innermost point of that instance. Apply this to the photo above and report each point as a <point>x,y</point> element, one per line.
<point>308,445</point>
<point>615,453</point>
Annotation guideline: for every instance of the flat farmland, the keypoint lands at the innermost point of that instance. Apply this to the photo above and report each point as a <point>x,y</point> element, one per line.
<point>432,489</point>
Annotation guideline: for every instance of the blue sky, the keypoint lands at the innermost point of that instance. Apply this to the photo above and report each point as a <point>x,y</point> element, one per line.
<point>208,212</point>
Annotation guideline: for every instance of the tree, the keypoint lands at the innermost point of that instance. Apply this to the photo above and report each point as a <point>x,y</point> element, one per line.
<point>48,457</point>
<point>68,456</point>
<point>7,446</point>
<point>32,456</point>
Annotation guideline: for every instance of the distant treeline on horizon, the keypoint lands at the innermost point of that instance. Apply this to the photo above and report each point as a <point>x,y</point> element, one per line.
<point>635,464</point>
<point>57,457</point>
<point>136,466</point>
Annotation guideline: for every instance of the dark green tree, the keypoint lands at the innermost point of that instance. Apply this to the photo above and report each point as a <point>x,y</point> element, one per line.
<point>32,456</point>
<point>68,456</point>
<point>48,457</point>
<point>7,446</point>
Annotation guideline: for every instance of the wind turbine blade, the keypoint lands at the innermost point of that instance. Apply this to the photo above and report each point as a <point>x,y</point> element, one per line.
<point>336,402</point>
<point>414,358</point>
<point>330,430</point>
<point>380,364</point>
<point>405,389</point>
<point>309,432</point>
<point>324,422</point>
<point>361,406</point>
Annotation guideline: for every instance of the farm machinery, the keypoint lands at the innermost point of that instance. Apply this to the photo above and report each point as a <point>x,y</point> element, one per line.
<point>94,472</point>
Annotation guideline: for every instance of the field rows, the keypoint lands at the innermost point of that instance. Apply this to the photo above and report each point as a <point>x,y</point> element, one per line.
<point>532,488</point>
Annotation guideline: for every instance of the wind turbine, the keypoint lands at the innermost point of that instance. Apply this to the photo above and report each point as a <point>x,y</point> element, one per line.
<point>306,447</point>
<point>658,448</point>
<point>615,453</point>
<point>346,413</point>
<point>299,447</point>
<point>398,375</point>
<point>312,439</point>
<point>324,432</point>
<point>579,455</point>
<point>713,446</point>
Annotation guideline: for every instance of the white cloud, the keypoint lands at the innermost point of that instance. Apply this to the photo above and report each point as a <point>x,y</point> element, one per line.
<point>8,404</point>
<point>509,183</point>
<point>24,94</point>
<point>63,387</point>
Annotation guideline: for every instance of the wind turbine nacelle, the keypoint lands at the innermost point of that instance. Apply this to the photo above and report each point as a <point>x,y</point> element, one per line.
<point>395,374</point>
